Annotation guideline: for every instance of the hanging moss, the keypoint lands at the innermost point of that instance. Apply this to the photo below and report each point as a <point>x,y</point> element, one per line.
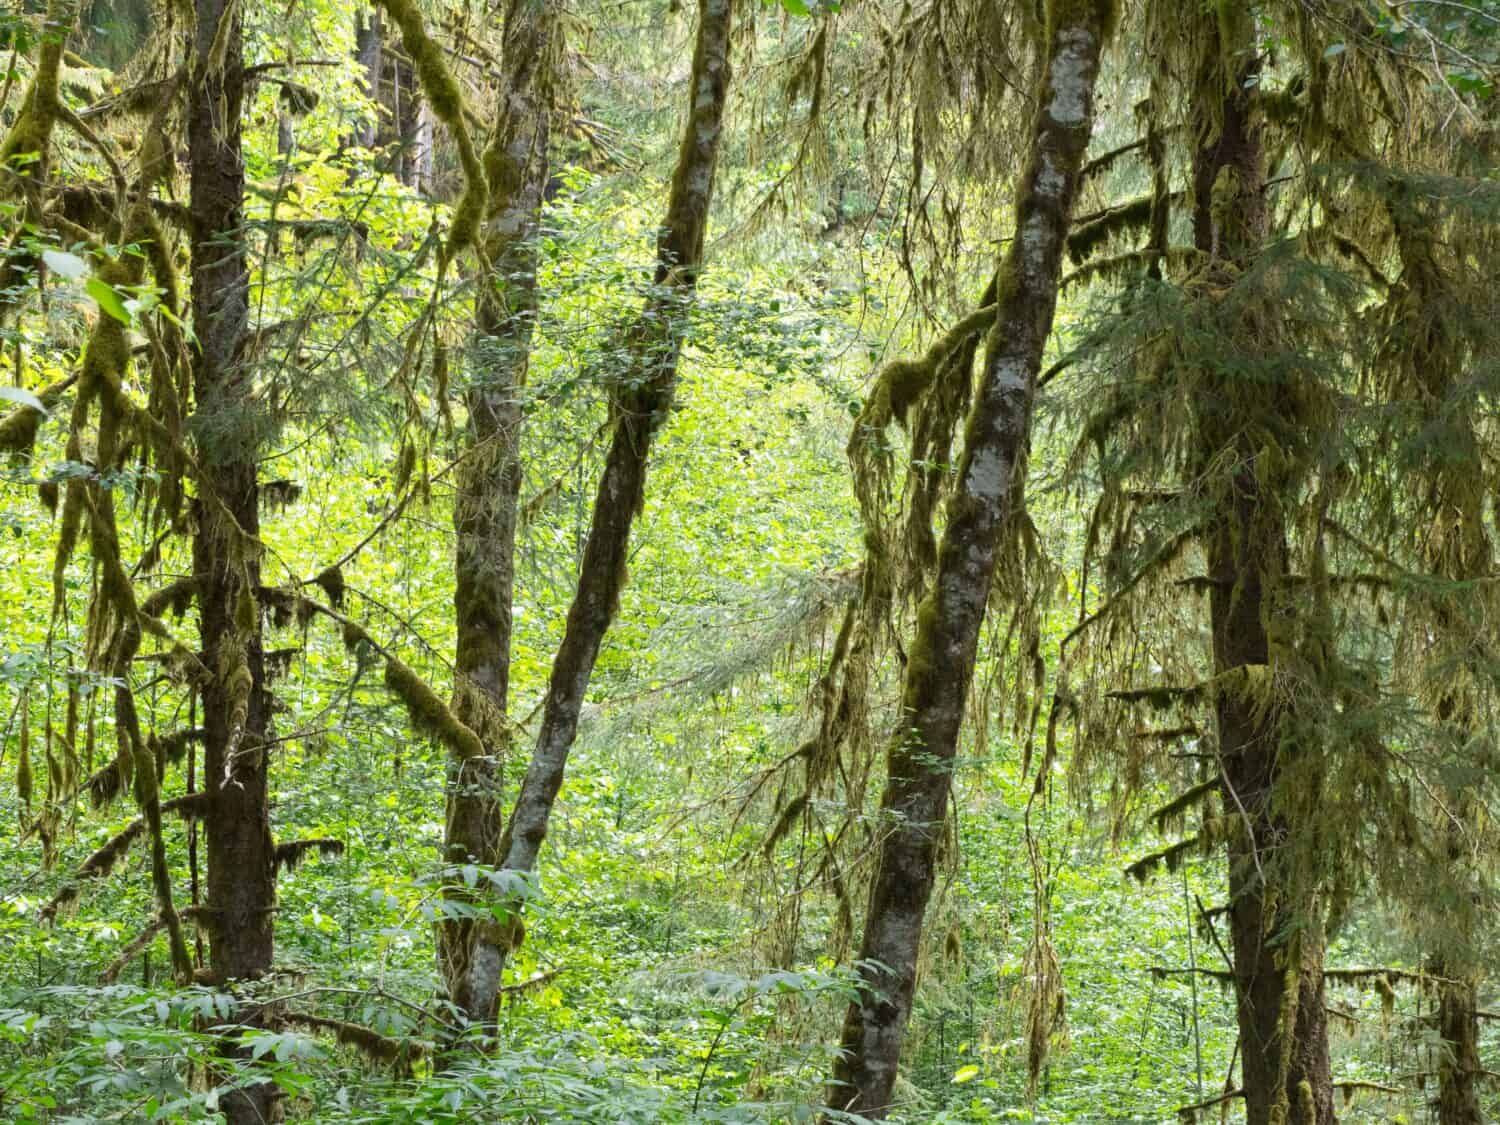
<point>290,854</point>
<point>1095,230</point>
<point>903,382</point>
<point>331,581</point>
<point>1173,810</point>
<point>23,759</point>
<point>1170,857</point>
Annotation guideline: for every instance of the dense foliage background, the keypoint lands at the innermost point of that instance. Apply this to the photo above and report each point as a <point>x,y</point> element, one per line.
<point>684,958</point>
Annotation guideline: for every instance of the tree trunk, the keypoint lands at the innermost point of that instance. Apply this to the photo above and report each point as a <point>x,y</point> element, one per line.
<point>1459,1069</point>
<point>368,53</point>
<point>642,402</point>
<point>485,507</point>
<point>419,164</point>
<point>942,654</point>
<point>1276,941</point>
<point>241,887</point>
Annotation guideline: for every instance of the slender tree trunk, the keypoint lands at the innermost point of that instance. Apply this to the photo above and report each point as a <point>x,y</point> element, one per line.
<point>1276,941</point>
<point>419,164</point>
<point>641,405</point>
<point>942,654</point>
<point>368,53</point>
<point>241,887</point>
<point>485,507</point>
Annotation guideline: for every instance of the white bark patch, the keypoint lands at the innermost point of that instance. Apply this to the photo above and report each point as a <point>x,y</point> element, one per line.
<point>1036,246</point>
<point>987,470</point>
<point>1049,181</point>
<point>1071,81</point>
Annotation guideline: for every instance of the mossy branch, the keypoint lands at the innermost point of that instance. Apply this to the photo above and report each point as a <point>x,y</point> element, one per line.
<point>1170,857</point>
<point>1161,698</point>
<point>192,806</point>
<point>447,102</point>
<point>428,713</point>
<point>1092,231</point>
<point>400,1053</point>
<point>131,950</point>
<point>902,382</point>
<point>1174,808</point>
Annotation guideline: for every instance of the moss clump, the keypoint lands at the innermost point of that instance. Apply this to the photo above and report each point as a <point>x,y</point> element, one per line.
<point>245,611</point>
<point>1089,235</point>
<point>429,714</point>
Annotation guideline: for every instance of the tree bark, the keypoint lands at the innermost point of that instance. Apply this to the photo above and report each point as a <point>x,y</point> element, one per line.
<point>226,427</point>
<point>942,654</point>
<point>1460,1068</point>
<point>368,53</point>
<point>641,403</point>
<point>1276,938</point>
<point>485,506</point>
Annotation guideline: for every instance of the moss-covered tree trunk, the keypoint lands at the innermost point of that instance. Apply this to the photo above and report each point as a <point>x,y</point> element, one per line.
<point>942,654</point>
<point>1459,1067</point>
<point>226,428</point>
<point>485,507</point>
<point>642,400</point>
<point>1276,941</point>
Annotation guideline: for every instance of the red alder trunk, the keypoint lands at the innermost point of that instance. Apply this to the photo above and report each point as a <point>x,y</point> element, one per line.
<point>942,654</point>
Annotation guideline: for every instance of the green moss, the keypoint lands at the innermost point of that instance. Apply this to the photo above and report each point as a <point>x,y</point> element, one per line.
<point>245,612</point>
<point>447,102</point>
<point>429,714</point>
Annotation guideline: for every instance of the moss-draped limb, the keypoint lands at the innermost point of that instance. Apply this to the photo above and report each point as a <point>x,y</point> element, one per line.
<point>30,134</point>
<point>446,98</point>
<point>903,382</point>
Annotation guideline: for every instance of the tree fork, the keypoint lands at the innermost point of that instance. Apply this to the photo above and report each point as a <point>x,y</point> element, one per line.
<point>486,506</point>
<point>942,654</point>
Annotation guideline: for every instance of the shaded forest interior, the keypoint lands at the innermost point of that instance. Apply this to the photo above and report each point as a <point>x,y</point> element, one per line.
<point>750,561</point>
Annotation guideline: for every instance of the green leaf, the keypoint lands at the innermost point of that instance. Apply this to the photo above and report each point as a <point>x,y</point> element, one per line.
<point>25,398</point>
<point>70,266</point>
<point>965,1074</point>
<point>108,299</point>
<point>796,7</point>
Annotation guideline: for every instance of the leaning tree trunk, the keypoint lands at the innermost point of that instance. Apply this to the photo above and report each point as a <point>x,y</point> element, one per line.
<point>640,406</point>
<point>241,887</point>
<point>942,654</point>
<point>485,507</point>
<point>1276,943</point>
